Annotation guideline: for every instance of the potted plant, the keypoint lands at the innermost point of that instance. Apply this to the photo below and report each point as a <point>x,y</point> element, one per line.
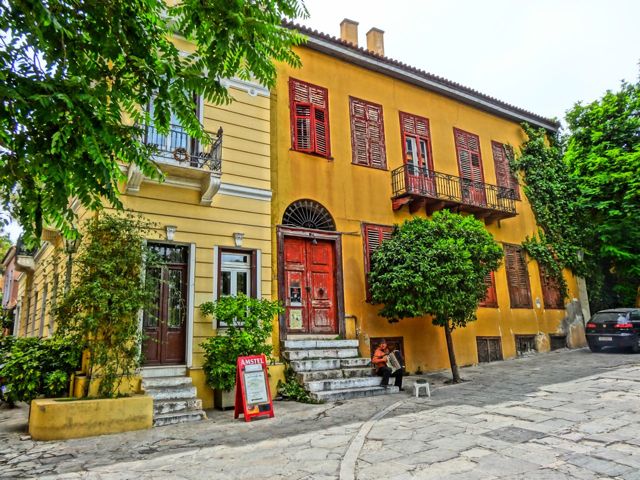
<point>245,327</point>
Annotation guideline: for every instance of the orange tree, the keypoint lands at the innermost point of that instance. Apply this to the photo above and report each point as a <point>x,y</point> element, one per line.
<point>435,267</point>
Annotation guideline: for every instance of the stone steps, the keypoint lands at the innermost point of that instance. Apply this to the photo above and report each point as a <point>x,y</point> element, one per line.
<point>331,370</point>
<point>349,393</point>
<point>174,398</point>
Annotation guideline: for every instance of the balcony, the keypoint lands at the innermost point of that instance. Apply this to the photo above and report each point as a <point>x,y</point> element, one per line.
<point>419,187</point>
<point>184,161</point>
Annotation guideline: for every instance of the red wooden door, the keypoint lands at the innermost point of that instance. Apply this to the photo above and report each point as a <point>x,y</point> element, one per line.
<point>164,323</point>
<point>309,276</point>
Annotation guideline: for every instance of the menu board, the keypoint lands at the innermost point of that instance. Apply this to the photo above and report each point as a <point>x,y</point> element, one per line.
<point>253,397</point>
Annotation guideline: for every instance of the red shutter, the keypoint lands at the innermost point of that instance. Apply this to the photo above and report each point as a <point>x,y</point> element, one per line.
<point>373,236</point>
<point>309,118</point>
<point>491,298</point>
<point>367,134</point>
<point>469,158</point>
<point>517,277</point>
<point>550,291</point>
<point>504,176</point>
<point>418,127</point>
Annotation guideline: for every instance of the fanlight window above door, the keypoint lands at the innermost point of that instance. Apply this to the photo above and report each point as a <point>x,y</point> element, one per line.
<point>308,214</point>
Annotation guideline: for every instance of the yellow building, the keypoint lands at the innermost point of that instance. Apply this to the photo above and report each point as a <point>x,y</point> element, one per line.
<point>362,142</point>
<point>213,213</point>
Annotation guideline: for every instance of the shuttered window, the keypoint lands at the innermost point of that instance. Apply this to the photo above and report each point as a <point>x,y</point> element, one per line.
<point>550,291</point>
<point>491,299</point>
<point>309,106</point>
<point>504,177</point>
<point>469,158</point>
<point>373,236</point>
<point>517,276</point>
<point>367,134</point>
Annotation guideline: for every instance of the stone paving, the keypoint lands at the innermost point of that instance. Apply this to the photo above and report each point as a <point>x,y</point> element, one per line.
<point>565,415</point>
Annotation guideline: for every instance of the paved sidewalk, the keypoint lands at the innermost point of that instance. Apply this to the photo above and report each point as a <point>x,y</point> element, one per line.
<point>566,414</point>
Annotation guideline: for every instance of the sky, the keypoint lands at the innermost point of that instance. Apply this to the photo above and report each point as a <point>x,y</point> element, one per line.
<point>540,55</point>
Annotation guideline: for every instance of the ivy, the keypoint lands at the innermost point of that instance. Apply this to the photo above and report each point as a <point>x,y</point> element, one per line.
<point>101,310</point>
<point>563,231</point>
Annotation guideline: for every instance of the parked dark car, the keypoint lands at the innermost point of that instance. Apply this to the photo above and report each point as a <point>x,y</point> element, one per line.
<point>617,327</point>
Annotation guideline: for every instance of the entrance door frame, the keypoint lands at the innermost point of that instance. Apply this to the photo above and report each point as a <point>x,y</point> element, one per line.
<point>191,283</point>
<point>336,237</point>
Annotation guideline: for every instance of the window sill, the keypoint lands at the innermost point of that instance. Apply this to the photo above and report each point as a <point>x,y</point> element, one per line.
<point>312,154</point>
<point>385,169</point>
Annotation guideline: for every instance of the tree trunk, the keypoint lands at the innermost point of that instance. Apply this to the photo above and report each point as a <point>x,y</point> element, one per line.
<point>452,355</point>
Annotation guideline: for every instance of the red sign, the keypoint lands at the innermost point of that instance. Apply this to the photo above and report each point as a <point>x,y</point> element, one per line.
<point>253,397</point>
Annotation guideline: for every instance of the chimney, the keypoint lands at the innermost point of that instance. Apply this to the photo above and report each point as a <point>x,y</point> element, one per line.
<point>375,41</point>
<point>349,31</point>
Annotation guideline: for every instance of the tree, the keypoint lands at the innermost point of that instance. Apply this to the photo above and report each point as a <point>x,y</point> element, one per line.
<point>72,70</point>
<point>435,267</point>
<point>603,155</point>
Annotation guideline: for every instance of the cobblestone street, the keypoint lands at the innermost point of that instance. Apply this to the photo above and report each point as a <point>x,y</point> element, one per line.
<point>566,414</point>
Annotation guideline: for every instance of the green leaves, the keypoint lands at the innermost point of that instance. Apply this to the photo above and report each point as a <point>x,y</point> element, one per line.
<point>69,70</point>
<point>249,327</point>
<point>434,267</point>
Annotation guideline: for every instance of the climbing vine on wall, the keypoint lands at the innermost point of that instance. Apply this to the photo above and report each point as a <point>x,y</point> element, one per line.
<point>563,230</point>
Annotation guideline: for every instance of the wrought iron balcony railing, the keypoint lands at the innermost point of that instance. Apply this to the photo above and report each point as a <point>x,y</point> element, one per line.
<point>178,147</point>
<point>438,190</point>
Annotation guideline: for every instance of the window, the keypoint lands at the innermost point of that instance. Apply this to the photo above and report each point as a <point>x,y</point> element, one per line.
<point>236,274</point>
<point>491,299</point>
<point>550,291</point>
<point>470,167</point>
<point>489,349</point>
<point>507,181</point>
<point>373,236</point>
<point>517,276</point>
<point>367,134</point>
<point>309,106</point>
<point>416,139</point>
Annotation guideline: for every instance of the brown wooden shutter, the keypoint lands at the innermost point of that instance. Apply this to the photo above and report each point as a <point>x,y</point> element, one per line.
<point>367,134</point>
<point>504,177</point>
<point>309,118</point>
<point>550,291</point>
<point>373,236</point>
<point>517,277</point>
<point>469,159</point>
<point>491,299</point>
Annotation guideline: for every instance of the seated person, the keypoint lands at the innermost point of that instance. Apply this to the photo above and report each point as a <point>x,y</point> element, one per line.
<point>379,361</point>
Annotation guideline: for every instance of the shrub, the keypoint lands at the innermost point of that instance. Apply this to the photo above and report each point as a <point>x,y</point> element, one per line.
<point>33,367</point>
<point>250,323</point>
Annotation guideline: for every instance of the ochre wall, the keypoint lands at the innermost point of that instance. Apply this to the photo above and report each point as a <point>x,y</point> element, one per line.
<point>355,194</point>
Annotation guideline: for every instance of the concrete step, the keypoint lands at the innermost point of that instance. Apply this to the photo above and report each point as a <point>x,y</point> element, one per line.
<point>321,353</point>
<point>349,393</point>
<point>342,384</point>
<point>304,377</point>
<point>355,362</point>
<point>312,344</point>
<point>161,407</point>
<point>357,372</point>
<point>159,382</point>
<point>172,393</point>
<point>315,365</point>
<point>180,417</point>
<point>311,336</point>
<point>163,371</point>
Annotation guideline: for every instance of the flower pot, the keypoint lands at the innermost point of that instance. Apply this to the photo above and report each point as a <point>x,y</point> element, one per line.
<point>224,399</point>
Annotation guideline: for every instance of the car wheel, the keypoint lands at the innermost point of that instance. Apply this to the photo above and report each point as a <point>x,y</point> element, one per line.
<point>594,348</point>
<point>636,347</point>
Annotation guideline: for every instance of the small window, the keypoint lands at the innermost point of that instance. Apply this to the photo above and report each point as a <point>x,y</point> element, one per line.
<point>367,134</point>
<point>525,344</point>
<point>517,276</point>
<point>489,349</point>
<point>236,274</point>
<point>491,299</point>
<point>309,105</point>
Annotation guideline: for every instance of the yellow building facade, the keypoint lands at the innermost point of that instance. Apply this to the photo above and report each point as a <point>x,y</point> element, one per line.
<point>361,143</point>
<point>213,217</point>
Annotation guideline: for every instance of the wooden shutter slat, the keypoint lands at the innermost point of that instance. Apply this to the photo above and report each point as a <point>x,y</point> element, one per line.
<point>309,117</point>
<point>517,276</point>
<point>367,134</point>
<point>373,235</point>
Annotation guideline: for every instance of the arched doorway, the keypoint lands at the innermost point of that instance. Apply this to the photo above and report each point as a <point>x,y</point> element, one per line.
<point>310,271</point>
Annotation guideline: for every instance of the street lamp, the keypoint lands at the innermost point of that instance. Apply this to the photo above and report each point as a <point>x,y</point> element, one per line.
<point>70,247</point>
